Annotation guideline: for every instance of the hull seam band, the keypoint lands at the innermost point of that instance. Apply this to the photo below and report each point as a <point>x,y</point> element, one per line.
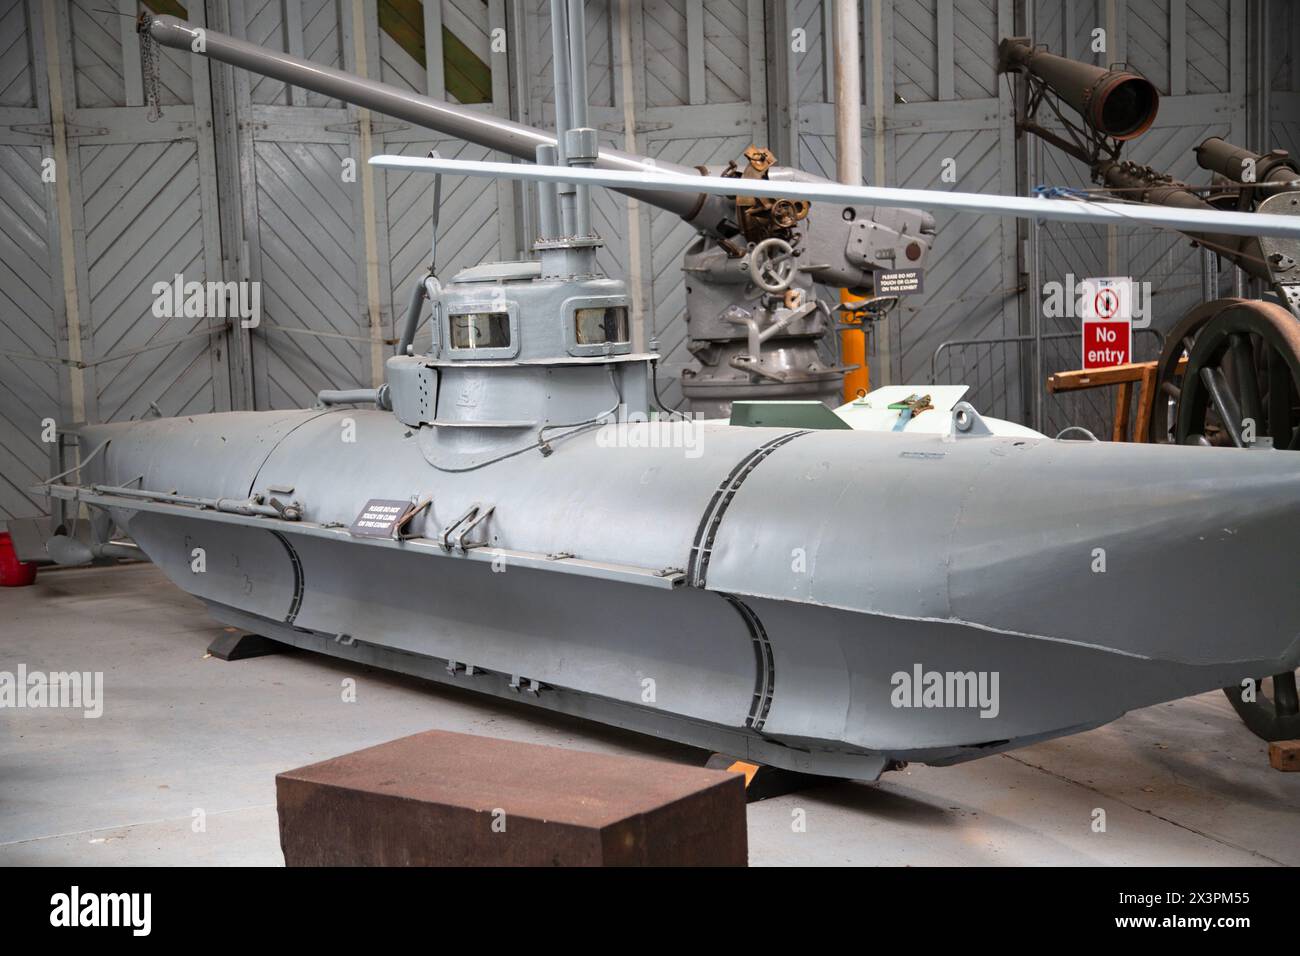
<point>296,604</point>
<point>697,568</point>
<point>765,663</point>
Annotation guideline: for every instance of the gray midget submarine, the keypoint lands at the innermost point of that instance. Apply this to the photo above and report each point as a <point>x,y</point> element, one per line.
<point>511,512</point>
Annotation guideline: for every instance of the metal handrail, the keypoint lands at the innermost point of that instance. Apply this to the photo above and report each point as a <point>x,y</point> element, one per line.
<point>1013,339</point>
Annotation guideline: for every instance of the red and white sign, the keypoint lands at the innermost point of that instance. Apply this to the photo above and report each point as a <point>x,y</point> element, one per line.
<point>1107,311</point>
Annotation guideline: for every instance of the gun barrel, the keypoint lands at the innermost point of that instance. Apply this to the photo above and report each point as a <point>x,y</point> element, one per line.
<point>515,139</point>
<point>1232,162</point>
<point>1136,183</point>
<point>1117,103</point>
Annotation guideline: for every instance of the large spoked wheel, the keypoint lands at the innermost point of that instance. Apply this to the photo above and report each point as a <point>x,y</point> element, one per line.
<point>1241,385</point>
<point>1169,374</point>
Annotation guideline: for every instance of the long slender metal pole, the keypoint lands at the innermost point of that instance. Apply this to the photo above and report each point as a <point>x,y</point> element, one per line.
<point>563,103</point>
<point>1033,232</point>
<point>548,208</point>
<point>1036,291</point>
<point>878,145</point>
<point>848,169</point>
<point>1018,207</point>
<point>485,129</point>
<point>848,93</point>
<point>576,23</point>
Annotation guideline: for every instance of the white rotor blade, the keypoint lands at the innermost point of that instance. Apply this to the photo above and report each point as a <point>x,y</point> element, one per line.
<point>1065,210</point>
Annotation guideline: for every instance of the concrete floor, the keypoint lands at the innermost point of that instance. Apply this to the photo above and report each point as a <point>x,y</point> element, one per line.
<point>1181,783</point>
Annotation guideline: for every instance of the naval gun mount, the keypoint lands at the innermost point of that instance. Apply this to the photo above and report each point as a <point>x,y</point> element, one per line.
<point>755,313</point>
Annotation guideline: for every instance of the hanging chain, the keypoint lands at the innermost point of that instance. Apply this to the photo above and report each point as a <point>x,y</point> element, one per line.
<point>149,70</point>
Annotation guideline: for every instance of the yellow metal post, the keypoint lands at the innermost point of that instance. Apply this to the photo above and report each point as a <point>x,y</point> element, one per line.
<point>853,349</point>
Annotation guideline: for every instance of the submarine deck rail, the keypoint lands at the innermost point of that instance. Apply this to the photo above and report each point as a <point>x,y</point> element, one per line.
<point>667,578</point>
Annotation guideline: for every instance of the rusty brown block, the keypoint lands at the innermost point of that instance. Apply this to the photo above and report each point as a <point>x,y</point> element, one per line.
<point>1284,755</point>
<point>445,799</point>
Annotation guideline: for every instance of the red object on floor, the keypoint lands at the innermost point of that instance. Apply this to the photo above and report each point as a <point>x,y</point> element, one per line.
<point>14,573</point>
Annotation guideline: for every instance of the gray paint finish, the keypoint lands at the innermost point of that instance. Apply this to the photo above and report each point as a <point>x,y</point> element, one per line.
<point>952,583</point>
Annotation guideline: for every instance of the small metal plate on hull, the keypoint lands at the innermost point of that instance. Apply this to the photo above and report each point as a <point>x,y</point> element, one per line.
<point>379,518</point>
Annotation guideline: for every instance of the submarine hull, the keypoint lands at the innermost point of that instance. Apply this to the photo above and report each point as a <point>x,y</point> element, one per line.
<point>826,601</point>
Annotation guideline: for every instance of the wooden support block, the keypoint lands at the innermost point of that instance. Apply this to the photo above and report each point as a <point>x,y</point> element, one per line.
<point>1284,755</point>
<point>235,645</point>
<point>445,799</point>
<point>1146,404</point>
<point>1123,401</point>
<point>763,782</point>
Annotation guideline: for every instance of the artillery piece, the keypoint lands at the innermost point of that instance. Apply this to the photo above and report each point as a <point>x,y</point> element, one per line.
<point>1229,374</point>
<point>1242,356</point>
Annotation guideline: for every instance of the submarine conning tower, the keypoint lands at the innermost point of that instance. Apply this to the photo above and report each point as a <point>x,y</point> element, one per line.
<point>524,353</point>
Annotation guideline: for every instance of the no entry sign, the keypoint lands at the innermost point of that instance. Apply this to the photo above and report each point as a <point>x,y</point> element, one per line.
<point>1106,344</point>
<point>1107,312</point>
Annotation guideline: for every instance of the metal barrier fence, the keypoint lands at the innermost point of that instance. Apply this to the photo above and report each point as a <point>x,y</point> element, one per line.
<point>1169,277</point>
<point>983,364</point>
